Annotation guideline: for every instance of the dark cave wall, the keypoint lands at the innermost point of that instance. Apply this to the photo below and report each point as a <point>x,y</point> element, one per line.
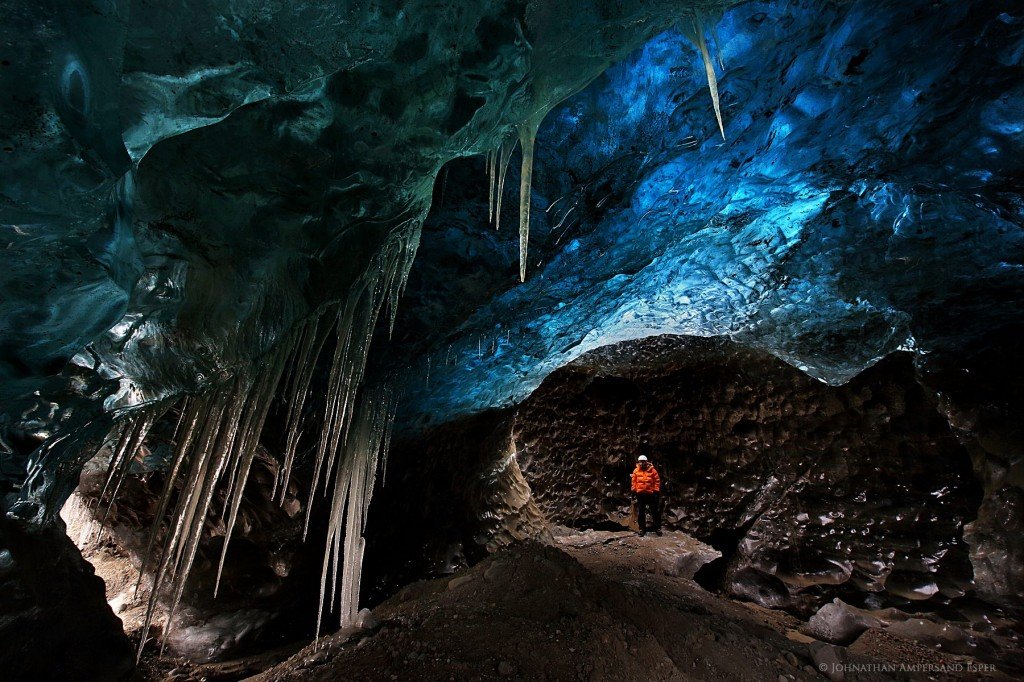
<point>50,594</point>
<point>447,498</point>
<point>981,393</point>
<point>813,491</point>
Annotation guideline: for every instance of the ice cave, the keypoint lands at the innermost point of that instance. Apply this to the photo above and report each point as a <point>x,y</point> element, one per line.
<point>334,334</point>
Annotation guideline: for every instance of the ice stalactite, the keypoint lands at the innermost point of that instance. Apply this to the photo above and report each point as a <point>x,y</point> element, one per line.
<point>218,434</point>
<point>497,168</point>
<point>695,32</point>
<point>527,140</point>
<point>129,440</point>
<point>216,442</point>
<point>504,155</point>
<point>313,335</point>
<point>358,462</point>
<point>718,46</point>
<point>383,281</point>
<point>492,157</point>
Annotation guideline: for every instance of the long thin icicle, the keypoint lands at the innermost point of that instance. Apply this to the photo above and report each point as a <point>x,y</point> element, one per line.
<point>527,139</point>
<point>217,442</point>
<point>133,432</point>
<point>491,163</point>
<point>504,156</point>
<point>188,425</point>
<point>313,339</point>
<point>355,326</point>
<point>697,36</point>
<point>258,405</point>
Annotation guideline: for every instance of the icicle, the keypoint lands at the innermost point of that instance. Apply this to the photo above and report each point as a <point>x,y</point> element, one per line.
<point>353,486</point>
<point>207,417</point>
<point>122,452</point>
<point>505,154</point>
<point>211,465</point>
<point>312,342</point>
<point>218,437</point>
<point>258,405</point>
<point>132,435</point>
<point>218,433</point>
<point>381,281</point>
<point>386,448</point>
<point>527,139</point>
<point>491,162</point>
<point>697,36</point>
<point>718,46</point>
<point>190,416</point>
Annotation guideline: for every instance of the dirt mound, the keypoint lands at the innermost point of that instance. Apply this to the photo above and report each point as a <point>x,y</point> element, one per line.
<point>597,606</point>
<point>534,612</point>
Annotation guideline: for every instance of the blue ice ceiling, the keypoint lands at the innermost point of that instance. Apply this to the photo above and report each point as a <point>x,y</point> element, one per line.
<point>187,185</point>
<point>179,199</point>
<point>867,198</point>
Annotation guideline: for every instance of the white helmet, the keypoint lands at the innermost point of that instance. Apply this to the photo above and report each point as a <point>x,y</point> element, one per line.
<point>642,458</point>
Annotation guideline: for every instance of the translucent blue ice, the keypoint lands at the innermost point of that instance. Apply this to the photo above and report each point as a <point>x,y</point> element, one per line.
<point>867,199</point>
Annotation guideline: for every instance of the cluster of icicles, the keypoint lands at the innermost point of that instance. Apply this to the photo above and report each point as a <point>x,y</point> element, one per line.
<point>497,160</point>
<point>218,433</point>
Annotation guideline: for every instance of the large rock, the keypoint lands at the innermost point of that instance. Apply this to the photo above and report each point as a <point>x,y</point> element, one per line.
<point>997,552</point>
<point>840,623</point>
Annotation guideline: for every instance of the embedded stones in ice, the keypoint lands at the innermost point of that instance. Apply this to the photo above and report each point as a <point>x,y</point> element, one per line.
<point>841,623</point>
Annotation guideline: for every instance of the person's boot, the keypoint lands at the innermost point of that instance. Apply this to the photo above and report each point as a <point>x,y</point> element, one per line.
<point>658,532</point>
<point>642,533</point>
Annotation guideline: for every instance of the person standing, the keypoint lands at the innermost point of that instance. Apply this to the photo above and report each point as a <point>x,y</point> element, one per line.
<point>646,485</point>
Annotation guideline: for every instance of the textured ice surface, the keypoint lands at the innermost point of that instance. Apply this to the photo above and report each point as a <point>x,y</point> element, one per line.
<point>185,184</point>
<point>180,199</point>
<point>867,198</point>
<point>199,196</point>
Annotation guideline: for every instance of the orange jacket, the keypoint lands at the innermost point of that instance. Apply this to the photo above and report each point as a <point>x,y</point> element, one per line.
<point>646,481</point>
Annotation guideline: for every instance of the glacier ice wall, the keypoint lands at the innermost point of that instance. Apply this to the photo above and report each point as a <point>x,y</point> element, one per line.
<point>185,184</point>
<point>867,198</point>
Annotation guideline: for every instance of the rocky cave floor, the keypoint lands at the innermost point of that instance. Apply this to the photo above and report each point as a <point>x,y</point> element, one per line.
<point>601,605</point>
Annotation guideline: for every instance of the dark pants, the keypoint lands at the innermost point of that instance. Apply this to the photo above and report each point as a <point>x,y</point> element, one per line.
<point>645,501</point>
